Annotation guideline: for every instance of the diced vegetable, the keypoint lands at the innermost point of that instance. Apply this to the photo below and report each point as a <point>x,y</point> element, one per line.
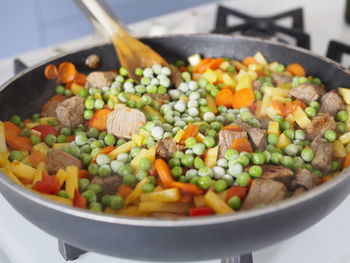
<point>283,141</point>
<point>211,104</point>
<point>126,147</point>
<point>179,135</point>
<point>199,200</point>
<point>296,69</point>
<point>211,157</point>
<point>187,188</point>
<point>99,119</point>
<point>224,97</point>
<point>278,92</point>
<point>138,139</point>
<point>164,172</point>
<point>178,208</point>
<point>168,195</point>
<point>4,159</point>
<point>144,153</point>
<point>242,145</point>
<point>345,94</point>
<point>274,128</point>
<point>244,83</point>
<point>79,200</point>
<point>194,60</point>
<point>345,138</point>
<point>259,57</point>
<point>71,180</point>
<point>136,193</point>
<point>41,147</point>
<point>22,170</point>
<point>191,131</point>
<point>3,146</point>
<point>8,172</point>
<point>216,203</point>
<point>300,117</point>
<point>153,112</point>
<point>61,177</point>
<point>201,211</point>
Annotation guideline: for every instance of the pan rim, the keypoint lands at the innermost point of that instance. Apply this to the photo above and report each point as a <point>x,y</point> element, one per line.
<point>188,222</point>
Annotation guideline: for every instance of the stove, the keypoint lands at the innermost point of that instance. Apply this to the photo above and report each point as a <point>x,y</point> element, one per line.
<point>295,22</point>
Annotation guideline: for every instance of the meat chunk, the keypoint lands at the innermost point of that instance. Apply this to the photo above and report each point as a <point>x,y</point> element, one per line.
<point>256,135</point>
<point>264,122</point>
<point>307,92</point>
<point>225,140</point>
<point>322,154</point>
<point>278,173</point>
<point>70,113</point>
<point>100,79</point>
<point>304,178</point>
<point>300,190</point>
<point>332,102</point>
<point>166,147</point>
<point>109,184</point>
<point>58,159</point>
<point>124,122</point>
<point>278,79</point>
<point>160,98</point>
<point>49,109</point>
<point>264,192</point>
<point>257,84</point>
<point>319,125</point>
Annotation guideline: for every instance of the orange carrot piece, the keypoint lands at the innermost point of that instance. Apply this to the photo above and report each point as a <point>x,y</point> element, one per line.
<point>215,63</point>
<point>296,69</point>
<point>70,138</point>
<point>53,99</point>
<point>20,143</point>
<point>236,190</point>
<point>232,128</point>
<point>249,60</point>
<point>187,188</point>
<point>202,66</point>
<point>290,107</point>
<point>242,145</point>
<point>185,199</point>
<point>124,190</point>
<point>346,161</point>
<point>50,71</point>
<point>164,173</point>
<point>243,98</point>
<point>299,103</point>
<point>99,119</point>
<point>66,72</point>
<point>325,179</point>
<point>279,107</point>
<point>106,150</point>
<point>37,157</point>
<point>183,69</point>
<point>224,97</point>
<point>80,79</point>
<point>83,174</point>
<point>190,131</point>
<point>11,130</point>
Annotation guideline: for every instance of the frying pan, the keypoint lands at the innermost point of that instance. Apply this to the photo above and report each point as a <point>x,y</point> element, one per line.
<point>163,239</point>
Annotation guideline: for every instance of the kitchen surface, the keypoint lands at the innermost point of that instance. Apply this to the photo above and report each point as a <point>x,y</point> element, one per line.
<point>326,242</point>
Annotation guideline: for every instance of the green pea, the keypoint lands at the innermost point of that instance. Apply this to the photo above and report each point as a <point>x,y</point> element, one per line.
<point>246,116</point>
<point>278,118</point>
<point>151,180</point>
<point>176,171</point>
<point>16,155</point>
<point>83,93</point>
<point>198,163</point>
<point>89,195</point>
<point>139,72</point>
<point>182,179</point>
<point>106,200</point>
<point>116,202</point>
<point>243,179</point>
<point>284,125</point>
<point>61,138</point>
<point>234,202</point>
<point>65,131</point>
<point>88,114</point>
<point>102,159</point>
<point>299,135</point>
<point>272,139</point>
<point>209,141</point>
<point>330,135</point>
<point>335,166</point>
<point>255,171</point>
<point>187,160</point>
<point>35,139</point>
<point>63,193</point>
<point>215,125</point>
<point>89,104</point>
<point>220,185</point>
<point>287,161</point>
<point>178,154</point>
<point>298,163</point>
<point>289,133</point>
<point>292,149</point>
<point>315,105</point>
<point>86,159</point>
<point>190,142</point>
<point>102,135</point>
<point>50,139</point>
<point>109,139</point>
<point>342,116</point>
<point>341,127</point>
<point>144,164</point>
<point>36,117</point>
<point>25,132</point>
<point>310,112</point>
<point>258,158</point>
<point>231,154</point>
<point>60,89</point>
<point>198,148</point>
<point>244,161</point>
<point>307,154</point>
<point>83,184</point>
<point>125,170</point>
<point>147,188</point>
<point>81,139</point>
<point>97,188</point>
<point>15,119</point>
<point>95,206</point>
<point>174,162</point>
<point>204,182</point>
<point>129,180</point>
<point>97,144</point>
<point>68,93</point>
<point>93,133</point>
<point>104,170</point>
<point>211,133</point>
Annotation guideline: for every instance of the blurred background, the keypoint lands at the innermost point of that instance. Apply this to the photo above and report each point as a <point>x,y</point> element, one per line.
<point>40,23</point>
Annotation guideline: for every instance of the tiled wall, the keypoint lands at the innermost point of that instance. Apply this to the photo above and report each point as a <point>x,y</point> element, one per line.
<point>31,24</point>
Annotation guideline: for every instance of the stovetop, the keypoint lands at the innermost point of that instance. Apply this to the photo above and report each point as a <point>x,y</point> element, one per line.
<point>325,242</point>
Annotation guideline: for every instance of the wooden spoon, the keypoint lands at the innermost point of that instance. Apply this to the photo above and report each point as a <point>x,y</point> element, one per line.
<point>132,53</point>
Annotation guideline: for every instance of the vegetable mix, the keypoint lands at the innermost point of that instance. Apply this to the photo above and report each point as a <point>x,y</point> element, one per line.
<point>234,135</point>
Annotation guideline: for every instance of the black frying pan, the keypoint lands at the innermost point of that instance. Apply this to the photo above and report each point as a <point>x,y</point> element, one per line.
<point>160,239</point>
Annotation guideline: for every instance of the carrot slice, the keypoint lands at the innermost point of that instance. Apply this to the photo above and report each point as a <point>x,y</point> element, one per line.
<point>279,107</point>
<point>106,150</point>
<point>99,119</point>
<point>185,199</point>
<point>237,190</point>
<point>66,72</point>
<point>224,97</point>
<point>242,145</point>
<point>232,128</point>
<point>299,103</point>
<point>11,130</point>
<point>83,174</point>
<point>164,173</point>
<point>249,60</point>
<point>187,188</point>
<point>296,69</point>
<point>243,98</point>
<point>190,131</point>
<point>346,161</point>
<point>80,79</point>
<point>215,63</point>
<point>20,144</point>
<point>50,71</point>
<point>37,157</point>
<point>202,66</point>
<point>124,190</point>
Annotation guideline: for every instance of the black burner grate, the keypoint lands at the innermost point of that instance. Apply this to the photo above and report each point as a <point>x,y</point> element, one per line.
<point>263,27</point>
<point>336,50</point>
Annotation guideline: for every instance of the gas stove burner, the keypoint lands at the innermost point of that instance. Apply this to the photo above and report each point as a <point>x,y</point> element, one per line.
<point>336,50</point>
<point>264,27</point>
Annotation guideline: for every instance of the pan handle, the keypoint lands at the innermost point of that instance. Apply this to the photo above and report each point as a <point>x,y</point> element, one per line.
<point>101,16</point>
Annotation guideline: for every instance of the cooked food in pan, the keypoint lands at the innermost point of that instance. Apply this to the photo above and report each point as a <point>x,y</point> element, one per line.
<point>232,136</point>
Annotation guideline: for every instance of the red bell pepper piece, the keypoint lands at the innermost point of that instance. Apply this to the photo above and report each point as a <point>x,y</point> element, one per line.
<point>236,190</point>
<point>45,130</point>
<point>48,184</point>
<point>201,211</point>
<point>79,200</point>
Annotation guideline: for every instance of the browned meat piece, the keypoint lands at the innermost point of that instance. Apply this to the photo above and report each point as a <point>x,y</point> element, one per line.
<point>332,102</point>
<point>257,84</point>
<point>319,125</point>
<point>307,92</point>
<point>225,140</point>
<point>109,184</point>
<point>49,109</point>
<point>278,79</point>
<point>93,61</point>
<point>278,173</point>
<point>264,192</point>
<point>323,154</point>
<point>100,79</point>
<point>264,122</point>
<point>160,98</point>
<point>58,159</point>
<point>256,135</point>
<point>299,191</point>
<point>304,178</point>
<point>70,112</point>
<point>124,122</point>
<point>166,147</point>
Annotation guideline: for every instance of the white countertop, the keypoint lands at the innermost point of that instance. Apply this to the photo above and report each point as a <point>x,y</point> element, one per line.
<point>326,242</point>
